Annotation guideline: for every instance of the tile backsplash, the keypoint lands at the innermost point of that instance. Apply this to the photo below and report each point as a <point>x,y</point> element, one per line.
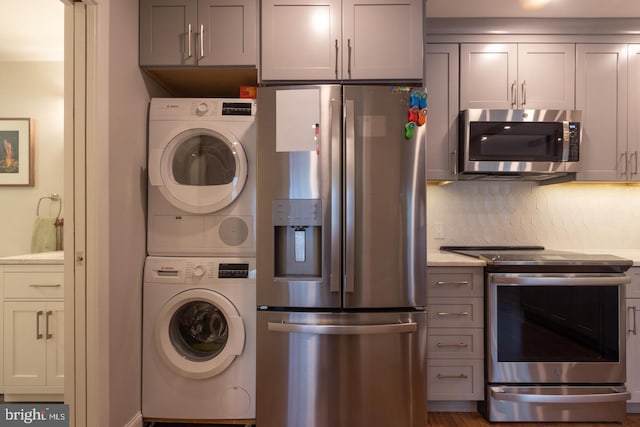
<point>560,216</point>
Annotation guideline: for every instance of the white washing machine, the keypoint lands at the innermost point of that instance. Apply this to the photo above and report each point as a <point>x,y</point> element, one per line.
<point>202,188</point>
<point>199,339</point>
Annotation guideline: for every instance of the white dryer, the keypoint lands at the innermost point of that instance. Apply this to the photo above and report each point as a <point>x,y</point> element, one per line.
<point>202,189</point>
<point>199,339</point>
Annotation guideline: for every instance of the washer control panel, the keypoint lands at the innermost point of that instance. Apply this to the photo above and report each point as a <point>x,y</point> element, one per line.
<point>188,270</point>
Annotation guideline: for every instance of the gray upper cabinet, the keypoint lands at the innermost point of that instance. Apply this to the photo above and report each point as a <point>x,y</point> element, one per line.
<point>441,78</point>
<point>198,33</point>
<point>517,76</point>
<point>602,94</point>
<point>334,40</point>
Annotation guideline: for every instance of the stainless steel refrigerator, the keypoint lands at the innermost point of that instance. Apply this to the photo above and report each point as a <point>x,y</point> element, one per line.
<point>341,257</point>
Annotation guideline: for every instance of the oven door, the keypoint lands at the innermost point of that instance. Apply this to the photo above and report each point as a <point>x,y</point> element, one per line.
<point>555,328</point>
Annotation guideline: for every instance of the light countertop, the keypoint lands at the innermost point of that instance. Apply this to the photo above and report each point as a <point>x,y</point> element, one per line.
<point>56,257</point>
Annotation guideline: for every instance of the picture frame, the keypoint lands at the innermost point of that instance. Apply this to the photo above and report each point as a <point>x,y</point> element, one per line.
<point>17,158</point>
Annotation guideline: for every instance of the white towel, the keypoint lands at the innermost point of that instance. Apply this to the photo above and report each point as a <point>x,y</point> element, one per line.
<point>44,235</point>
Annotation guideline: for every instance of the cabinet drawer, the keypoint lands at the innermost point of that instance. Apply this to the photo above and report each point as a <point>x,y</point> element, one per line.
<point>22,284</point>
<point>455,343</point>
<point>455,282</point>
<point>455,380</point>
<point>455,312</point>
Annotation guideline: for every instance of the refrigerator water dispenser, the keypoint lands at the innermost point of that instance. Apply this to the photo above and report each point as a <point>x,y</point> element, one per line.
<point>298,237</point>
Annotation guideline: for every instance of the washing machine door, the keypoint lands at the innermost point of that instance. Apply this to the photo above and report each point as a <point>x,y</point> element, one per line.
<point>199,333</point>
<point>201,170</point>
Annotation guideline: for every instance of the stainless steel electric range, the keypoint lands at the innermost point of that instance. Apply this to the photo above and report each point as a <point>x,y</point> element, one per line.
<point>555,334</point>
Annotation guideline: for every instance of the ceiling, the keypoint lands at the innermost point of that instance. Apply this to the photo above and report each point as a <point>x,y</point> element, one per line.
<point>31,30</point>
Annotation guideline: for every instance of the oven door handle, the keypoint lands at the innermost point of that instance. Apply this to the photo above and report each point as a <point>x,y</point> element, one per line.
<point>539,280</point>
<point>615,396</point>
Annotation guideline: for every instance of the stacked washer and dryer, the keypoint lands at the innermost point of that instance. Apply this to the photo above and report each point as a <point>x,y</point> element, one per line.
<point>199,290</point>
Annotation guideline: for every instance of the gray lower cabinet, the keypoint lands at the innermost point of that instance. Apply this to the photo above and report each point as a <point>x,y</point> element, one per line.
<point>455,341</point>
<point>198,33</point>
<point>633,336</point>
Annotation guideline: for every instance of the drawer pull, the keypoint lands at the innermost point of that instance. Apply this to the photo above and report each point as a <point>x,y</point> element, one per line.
<point>457,377</point>
<point>459,345</point>
<point>39,285</point>
<point>461,283</point>
<point>38,334</point>
<point>460,313</point>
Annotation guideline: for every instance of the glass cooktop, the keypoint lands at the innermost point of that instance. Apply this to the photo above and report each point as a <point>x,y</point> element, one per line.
<point>538,256</point>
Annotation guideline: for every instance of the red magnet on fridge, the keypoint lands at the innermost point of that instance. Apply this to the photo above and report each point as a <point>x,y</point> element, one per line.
<point>413,114</point>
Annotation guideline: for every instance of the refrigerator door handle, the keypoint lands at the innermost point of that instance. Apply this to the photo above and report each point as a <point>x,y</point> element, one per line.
<point>391,328</point>
<point>349,197</point>
<point>336,194</point>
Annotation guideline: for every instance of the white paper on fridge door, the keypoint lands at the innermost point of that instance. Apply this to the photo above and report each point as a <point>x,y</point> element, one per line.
<point>297,116</point>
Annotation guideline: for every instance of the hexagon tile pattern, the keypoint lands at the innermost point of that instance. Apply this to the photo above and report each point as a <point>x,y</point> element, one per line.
<point>560,216</point>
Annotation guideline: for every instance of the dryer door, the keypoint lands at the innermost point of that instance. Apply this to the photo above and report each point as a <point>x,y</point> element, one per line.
<point>199,333</point>
<point>202,170</point>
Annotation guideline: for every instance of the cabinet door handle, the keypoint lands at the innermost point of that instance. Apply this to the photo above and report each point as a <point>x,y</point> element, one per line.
<point>624,160</point>
<point>633,159</point>
<point>201,41</point>
<point>189,33</point>
<point>337,52</point>
<point>459,376</point>
<point>38,315</point>
<point>460,283</point>
<point>513,93</point>
<point>48,334</point>
<point>454,162</point>
<point>39,285</point>
<point>524,93</point>
<point>460,313</point>
<point>445,345</point>
<point>349,55</point>
<point>634,330</point>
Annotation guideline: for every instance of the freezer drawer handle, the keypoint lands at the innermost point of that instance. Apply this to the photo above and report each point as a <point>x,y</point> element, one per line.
<point>393,328</point>
<point>500,394</point>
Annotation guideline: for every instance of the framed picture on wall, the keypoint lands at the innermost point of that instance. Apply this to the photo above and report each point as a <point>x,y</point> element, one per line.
<point>16,152</point>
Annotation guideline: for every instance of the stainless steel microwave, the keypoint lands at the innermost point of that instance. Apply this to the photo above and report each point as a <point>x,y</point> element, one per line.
<point>527,144</point>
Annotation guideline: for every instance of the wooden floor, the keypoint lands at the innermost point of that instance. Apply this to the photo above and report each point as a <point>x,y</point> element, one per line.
<point>474,419</point>
<point>462,419</point>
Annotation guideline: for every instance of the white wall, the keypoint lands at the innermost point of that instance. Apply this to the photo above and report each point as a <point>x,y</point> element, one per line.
<point>118,163</point>
<point>128,104</point>
<point>534,8</point>
<point>561,216</point>
<point>35,90</point>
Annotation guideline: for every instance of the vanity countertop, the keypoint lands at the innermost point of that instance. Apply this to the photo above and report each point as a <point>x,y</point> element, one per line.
<point>56,257</point>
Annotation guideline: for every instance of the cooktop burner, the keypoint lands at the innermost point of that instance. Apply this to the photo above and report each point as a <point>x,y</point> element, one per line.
<point>496,256</point>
